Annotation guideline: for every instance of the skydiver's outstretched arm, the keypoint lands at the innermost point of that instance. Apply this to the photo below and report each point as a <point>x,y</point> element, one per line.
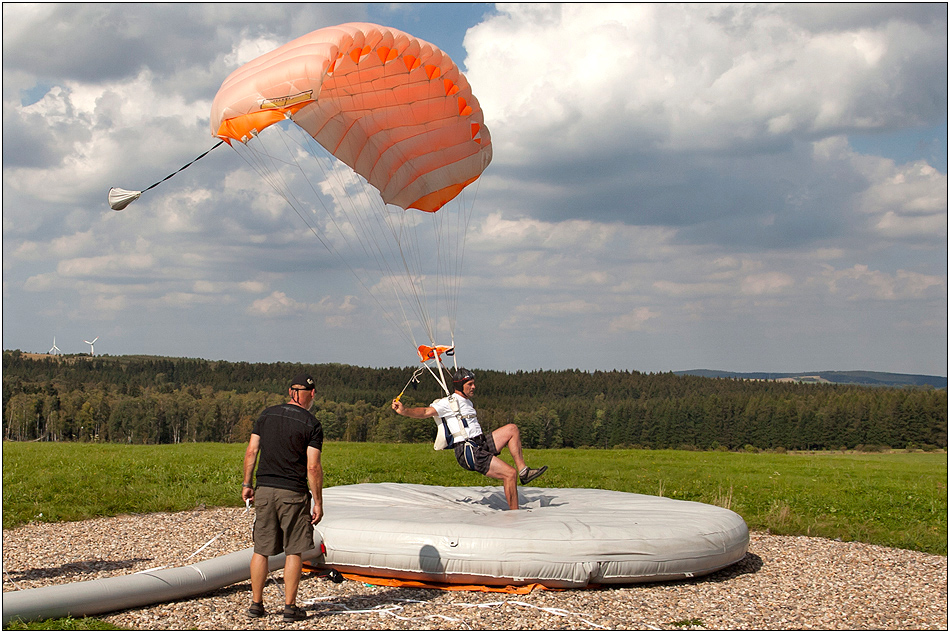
<point>419,413</point>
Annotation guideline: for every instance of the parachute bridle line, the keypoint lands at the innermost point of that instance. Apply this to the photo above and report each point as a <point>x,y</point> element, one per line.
<point>184,167</point>
<point>121,198</point>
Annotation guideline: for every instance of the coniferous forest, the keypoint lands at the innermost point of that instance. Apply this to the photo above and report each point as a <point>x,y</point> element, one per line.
<point>154,400</point>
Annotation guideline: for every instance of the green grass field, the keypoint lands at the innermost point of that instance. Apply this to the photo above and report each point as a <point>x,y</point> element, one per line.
<point>892,499</point>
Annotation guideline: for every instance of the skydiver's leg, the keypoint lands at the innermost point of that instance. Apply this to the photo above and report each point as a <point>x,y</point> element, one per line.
<point>499,469</point>
<point>510,436</point>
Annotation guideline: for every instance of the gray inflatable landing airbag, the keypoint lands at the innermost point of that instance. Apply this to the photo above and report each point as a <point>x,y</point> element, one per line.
<point>559,538</point>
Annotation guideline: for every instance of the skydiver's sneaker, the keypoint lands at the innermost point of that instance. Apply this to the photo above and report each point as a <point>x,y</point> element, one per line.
<point>256,610</point>
<point>530,474</point>
<point>293,613</point>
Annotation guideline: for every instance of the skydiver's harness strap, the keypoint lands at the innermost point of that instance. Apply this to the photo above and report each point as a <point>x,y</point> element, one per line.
<point>452,430</point>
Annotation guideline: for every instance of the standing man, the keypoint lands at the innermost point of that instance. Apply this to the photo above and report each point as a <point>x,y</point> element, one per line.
<point>473,449</point>
<point>289,440</point>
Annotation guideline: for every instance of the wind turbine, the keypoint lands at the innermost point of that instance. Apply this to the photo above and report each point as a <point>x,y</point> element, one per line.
<point>92,348</point>
<point>54,349</point>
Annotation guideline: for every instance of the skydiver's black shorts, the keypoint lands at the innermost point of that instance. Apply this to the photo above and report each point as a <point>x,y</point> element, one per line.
<point>476,453</point>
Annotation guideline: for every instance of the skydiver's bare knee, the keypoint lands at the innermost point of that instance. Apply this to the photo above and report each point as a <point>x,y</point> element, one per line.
<point>505,434</point>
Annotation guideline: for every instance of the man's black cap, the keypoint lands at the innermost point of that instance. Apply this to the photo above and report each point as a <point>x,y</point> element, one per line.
<point>303,382</point>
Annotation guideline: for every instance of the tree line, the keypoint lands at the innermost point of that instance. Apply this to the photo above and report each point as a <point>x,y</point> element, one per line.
<point>151,400</point>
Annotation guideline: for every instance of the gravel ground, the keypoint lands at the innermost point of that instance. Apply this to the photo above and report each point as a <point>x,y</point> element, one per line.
<point>783,583</point>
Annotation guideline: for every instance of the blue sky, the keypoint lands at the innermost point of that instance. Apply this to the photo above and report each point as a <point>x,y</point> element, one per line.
<point>736,187</point>
<point>925,143</point>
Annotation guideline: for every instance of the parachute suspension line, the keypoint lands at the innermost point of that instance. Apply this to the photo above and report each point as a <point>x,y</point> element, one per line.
<point>403,227</point>
<point>280,184</point>
<point>365,234</point>
<point>414,280</point>
<point>409,283</point>
<point>265,163</point>
<point>455,223</point>
<point>448,276</point>
<point>328,175</point>
<point>448,261</point>
<point>314,149</point>
<point>405,293</point>
<point>461,233</point>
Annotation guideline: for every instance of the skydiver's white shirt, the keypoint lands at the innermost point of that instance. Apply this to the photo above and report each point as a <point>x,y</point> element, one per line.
<point>470,423</point>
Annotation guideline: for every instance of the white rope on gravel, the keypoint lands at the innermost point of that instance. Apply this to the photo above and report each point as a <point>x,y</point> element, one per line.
<point>552,610</point>
<point>559,612</point>
<point>10,578</point>
<point>247,508</point>
<point>391,610</point>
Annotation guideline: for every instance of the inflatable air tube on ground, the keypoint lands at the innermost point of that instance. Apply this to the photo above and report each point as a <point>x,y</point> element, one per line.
<point>105,595</point>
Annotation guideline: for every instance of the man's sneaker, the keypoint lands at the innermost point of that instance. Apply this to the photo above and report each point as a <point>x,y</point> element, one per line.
<point>531,474</point>
<point>256,610</point>
<point>293,613</point>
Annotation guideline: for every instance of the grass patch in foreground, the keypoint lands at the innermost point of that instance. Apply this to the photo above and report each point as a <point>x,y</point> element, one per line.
<point>63,624</point>
<point>891,499</point>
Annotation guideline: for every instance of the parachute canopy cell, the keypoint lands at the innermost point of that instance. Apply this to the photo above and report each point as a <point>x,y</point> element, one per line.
<point>392,107</point>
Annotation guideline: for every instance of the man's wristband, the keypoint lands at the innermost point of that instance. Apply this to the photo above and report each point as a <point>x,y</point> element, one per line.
<point>246,486</point>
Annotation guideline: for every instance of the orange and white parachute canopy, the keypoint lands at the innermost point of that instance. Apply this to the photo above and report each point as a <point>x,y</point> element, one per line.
<point>398,112</point>
<point>395,108</point>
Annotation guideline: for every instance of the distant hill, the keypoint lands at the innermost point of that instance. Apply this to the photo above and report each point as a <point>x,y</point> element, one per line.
<point>864,378</point>
<point>867,378</point>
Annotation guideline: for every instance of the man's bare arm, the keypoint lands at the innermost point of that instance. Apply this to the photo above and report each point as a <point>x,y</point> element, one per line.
<point>315,479</point>
<point>420,413</point>
<point>250,460</point>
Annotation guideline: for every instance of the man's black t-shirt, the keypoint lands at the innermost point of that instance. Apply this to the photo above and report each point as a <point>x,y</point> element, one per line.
<point>286,431</point>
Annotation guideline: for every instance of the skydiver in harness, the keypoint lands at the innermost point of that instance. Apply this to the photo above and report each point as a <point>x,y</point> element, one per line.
<point>459,429</point>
